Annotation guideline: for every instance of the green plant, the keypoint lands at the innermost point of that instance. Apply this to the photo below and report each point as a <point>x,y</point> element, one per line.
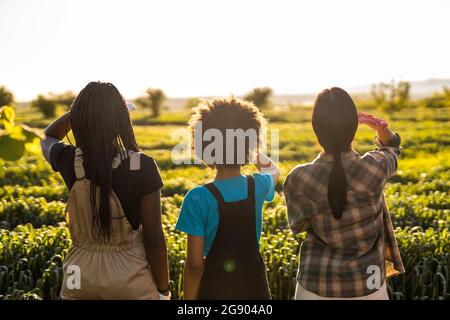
<point>260,97</point>
<point>392,96</point>
<point>64,99</point>
<point>437,100</point>
<point>192,103</point>
<point>34,238</point>
<point>46,105</point>
<point>155,98</point>
<point>6,97</point>
<point>13,137</point>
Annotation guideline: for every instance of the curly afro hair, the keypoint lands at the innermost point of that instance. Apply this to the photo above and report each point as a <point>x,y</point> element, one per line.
<point>228,115</point>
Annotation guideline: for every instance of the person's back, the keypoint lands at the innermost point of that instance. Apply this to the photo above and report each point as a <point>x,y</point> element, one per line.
<point>118,249</point>
<point>234,255</point>
<point>223,218</point>
<point>338,199</point>
<point>116,269</point>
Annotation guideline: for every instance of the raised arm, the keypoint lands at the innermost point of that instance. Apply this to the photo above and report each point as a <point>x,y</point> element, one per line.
<point>387,141</point>
<point>54,133</point>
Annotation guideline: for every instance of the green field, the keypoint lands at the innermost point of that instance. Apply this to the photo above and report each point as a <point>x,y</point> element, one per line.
<point>34,239</point>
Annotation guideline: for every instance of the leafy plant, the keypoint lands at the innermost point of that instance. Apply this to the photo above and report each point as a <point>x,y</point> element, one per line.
<point>34,238</point>
<point>437,100</point>
<point>6,97</point>
<point>260,97</point>
<point>46,105</point>
<point>192,103</point>
<point>64,99</point>
<point>13,137</point>
<point>391,96</point>
<point>154,100</point>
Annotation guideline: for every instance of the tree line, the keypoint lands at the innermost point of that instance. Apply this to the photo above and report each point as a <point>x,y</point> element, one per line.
<point>153,99</point>
<point>388,97</point>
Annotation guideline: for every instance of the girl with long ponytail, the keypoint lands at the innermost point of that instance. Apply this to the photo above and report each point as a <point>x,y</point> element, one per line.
<point>350,248</point>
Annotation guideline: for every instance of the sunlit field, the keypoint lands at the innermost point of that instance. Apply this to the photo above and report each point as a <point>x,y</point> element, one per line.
<point>34,238</point>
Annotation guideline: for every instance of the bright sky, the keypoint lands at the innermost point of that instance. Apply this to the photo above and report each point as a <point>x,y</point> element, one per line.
<point>212,47</point>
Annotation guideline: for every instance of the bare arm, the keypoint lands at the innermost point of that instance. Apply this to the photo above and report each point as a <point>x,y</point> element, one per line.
<point>54,133</point>
<point>193,269</point>
<point>385,134</point>
<point>386,140</point>
<point>154,240</point>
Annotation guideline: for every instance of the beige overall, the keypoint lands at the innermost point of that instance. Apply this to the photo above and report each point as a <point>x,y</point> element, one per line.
<point>116,270</point>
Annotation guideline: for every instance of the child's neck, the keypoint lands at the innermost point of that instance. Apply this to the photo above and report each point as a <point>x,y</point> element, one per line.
<point>227,173</point>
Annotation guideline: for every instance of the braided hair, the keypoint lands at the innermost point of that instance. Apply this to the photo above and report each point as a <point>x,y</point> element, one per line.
<point>102,128</point>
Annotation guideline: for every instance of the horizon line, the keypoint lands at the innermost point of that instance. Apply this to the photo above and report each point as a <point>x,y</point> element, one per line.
<point>356,89</point>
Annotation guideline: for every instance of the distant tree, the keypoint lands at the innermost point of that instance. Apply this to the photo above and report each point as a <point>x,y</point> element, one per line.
<point>391,97</point>
<point>155,98</point>
<point>437,100</point>
<point>379,95</point>
<point>260,97</point>
<point>401,94</point>
<point>65,99</point>
<point>45,105</point>
<point>6,97</point>
<point>141,102</point>
<point>192,103</point>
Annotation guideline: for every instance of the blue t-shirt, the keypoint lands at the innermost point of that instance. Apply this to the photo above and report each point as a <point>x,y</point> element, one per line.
<point>199,212</point>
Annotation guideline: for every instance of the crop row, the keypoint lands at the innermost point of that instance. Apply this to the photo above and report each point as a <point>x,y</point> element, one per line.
<point>175,182</point>
<point>425,210</point>
<point>31,262</point>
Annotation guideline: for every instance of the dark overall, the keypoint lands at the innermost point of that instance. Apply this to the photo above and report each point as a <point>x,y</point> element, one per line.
<point>234,268</point>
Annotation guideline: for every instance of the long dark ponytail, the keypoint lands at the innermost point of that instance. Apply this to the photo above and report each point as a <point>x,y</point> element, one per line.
<point>102,128</point>
<point>335,121</point>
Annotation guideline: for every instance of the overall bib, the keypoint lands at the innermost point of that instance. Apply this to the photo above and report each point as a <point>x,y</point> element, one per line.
<point>115,270</point>
<point>234,268</point>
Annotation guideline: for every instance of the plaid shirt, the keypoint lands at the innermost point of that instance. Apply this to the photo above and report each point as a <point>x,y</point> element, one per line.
<point>339,256</point>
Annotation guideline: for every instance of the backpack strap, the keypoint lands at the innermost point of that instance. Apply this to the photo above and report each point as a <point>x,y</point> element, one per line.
<point>215,192</point>
<point>250,188</point>
<point>78,164</point>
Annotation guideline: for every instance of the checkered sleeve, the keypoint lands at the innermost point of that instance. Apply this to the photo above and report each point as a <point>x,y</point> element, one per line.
<point>387,154</point>
<point>300,209</point>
